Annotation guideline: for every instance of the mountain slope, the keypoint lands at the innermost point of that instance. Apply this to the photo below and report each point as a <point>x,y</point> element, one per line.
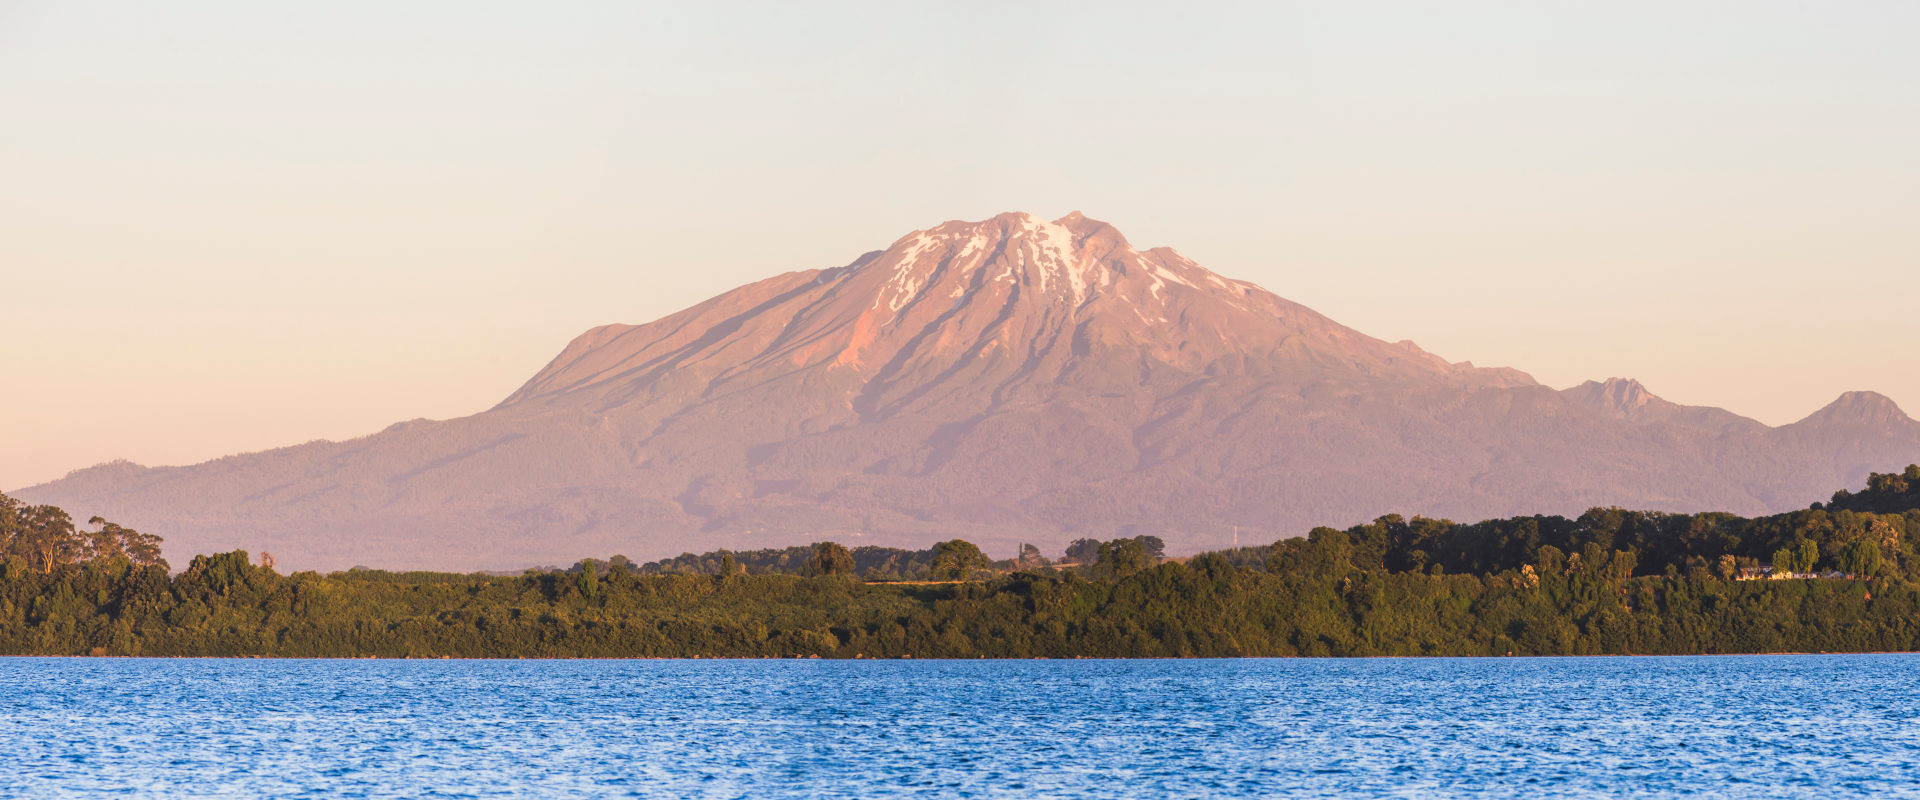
<point>1007,380</point>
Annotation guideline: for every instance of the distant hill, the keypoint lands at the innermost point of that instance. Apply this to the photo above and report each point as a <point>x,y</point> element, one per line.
<point>1000,381</point>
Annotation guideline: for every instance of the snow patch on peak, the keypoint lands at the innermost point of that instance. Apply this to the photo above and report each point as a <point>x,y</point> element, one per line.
<point>1054,252</point>
<point>1063,262</point>
<point>976,241</point>
<point>907,276</point>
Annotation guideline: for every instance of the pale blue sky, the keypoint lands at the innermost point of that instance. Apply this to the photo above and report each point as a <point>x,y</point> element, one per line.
<point>231,226</point>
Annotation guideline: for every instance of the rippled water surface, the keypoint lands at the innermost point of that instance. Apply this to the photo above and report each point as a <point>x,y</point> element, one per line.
<point>1760,726</point>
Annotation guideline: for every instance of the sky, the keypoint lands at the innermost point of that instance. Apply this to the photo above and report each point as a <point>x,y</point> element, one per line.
<point>230,226</point>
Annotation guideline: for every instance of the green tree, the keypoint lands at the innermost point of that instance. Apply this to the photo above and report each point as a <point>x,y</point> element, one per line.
<point>1329,553</point>
<point>1785,560</point>
<point>113,541</point>
<point>829,558</point>
<point>1887,484</point>
<point>590,578</point>
<point>1807,557</point>
<point>45,537</point>
<point>956,560</point>
<point>1083,551</point>
<point>1120,558</point>
<point>1861,557</point>
<point>1550,561</point>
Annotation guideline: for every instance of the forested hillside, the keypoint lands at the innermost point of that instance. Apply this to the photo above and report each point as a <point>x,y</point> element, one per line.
<point>1611,581</point>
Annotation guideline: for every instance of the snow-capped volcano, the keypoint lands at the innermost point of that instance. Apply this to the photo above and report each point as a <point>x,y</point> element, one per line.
<point>1011,301</point>
<point>1013,379</point>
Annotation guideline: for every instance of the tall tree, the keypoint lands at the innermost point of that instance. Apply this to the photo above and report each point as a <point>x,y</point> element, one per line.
<point>47,538</point>
<point>830,558</point>
<point>590,577</point>
<point>44,537</point>
<point>1808,557</point>
<point>1785,561</point>
<point>1030,557</point>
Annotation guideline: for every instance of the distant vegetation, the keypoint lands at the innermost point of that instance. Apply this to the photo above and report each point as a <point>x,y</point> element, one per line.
<point>1609,581</point>
<point>877,564</point>
<point>1889,493</point>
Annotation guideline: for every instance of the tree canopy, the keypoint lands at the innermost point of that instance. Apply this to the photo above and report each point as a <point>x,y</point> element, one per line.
<point>1890,492</point>
<point>44,537</point>
<point>830,558</point>
<point>957,560</point>
<point>1608,581</point>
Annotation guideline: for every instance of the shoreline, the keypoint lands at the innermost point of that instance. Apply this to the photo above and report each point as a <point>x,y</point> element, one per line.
<point>5,656</point>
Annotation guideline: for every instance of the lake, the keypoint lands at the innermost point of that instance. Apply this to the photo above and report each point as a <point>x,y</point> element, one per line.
<point>1742,726</point>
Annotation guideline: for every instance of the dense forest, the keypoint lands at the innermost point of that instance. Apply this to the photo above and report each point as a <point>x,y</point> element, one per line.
<point>1609,581</point>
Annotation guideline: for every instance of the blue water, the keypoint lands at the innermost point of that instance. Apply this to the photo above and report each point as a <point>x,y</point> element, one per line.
<point>1759,726</point>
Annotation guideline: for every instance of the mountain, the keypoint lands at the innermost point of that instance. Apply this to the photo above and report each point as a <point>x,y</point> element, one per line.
<point>1869,412</point>
<point>1627,400</point>
<point>1001,381</point>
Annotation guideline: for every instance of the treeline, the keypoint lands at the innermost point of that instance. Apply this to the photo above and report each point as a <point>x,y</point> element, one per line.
<point>1886,493</point>
<point>1856,543</point>
<point>1609,581</point>
<point>868,563</point>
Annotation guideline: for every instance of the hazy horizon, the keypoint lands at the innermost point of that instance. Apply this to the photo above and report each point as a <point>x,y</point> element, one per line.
<point>228,228</point>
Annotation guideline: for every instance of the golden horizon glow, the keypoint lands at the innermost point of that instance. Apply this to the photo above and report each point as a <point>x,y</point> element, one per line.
<point>227,227</point>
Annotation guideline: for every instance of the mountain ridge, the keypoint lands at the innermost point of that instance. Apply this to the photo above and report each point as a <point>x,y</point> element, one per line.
<point>1012,379</point>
